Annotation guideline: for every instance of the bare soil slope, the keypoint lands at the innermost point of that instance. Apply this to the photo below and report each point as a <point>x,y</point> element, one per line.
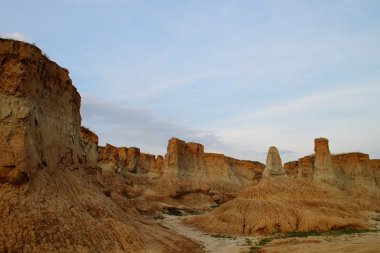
<point>281,204</point>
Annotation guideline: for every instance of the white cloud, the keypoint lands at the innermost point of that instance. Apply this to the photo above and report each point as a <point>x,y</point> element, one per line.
<point>16,36</point>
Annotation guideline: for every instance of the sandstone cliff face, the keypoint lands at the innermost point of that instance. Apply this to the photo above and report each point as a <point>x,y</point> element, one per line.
<point>48,202</point>
<point>306,167</point>
<point>39,106</point>
<point>353,173</point>
<point>353,169</point>
<point>291,168</point>
<point>219,167</point>
<point>188,161</point>
<point>323,170</point>
<point>90,141</point>
<point>184,160</point>
<point>348,170</point>
<point>375,166</point>
<point>124,160</point>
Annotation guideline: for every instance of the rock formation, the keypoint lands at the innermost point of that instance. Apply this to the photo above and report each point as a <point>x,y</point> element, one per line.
<point>187,178</point>
<point>353,173</point>
<point>184,160</point>
<point>323,170</point>
<point>273,165</point>
<point>189,161</point>
<point>90,141</point>
<point>311,198</point>
<point>128,160</point>
<point>305,169</point>
<point>283,204</point>
<point>356,169</point>
<point>38,107</point>
<point>48,202</point>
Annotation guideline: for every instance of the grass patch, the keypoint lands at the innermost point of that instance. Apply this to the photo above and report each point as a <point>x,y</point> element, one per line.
<point>224,236</point>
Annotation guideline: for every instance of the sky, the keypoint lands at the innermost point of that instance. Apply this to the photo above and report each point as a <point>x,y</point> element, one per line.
<point>237,76</point>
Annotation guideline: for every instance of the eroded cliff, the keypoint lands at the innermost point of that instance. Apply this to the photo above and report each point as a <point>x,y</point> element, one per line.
<point>48,201</point>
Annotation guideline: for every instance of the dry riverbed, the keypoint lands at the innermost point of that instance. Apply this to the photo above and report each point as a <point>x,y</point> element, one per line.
<point>211,243</point>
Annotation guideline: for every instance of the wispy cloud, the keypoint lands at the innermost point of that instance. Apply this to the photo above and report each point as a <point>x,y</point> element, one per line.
<point>346,115</point>
<point>138,127</point>
<point>339,98</point>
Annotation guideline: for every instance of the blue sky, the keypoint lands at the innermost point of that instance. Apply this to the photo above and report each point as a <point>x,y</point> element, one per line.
<point>236,76</point>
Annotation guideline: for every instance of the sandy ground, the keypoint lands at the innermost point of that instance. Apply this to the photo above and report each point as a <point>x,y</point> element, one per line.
<point>354,243</point>
<point>357,243</point>
<point>211,244</point>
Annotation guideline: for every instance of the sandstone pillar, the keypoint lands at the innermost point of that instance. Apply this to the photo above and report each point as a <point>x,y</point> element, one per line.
<point>273,165</point>
<point>323,171</point>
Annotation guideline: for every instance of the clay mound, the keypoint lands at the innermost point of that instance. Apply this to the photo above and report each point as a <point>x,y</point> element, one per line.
<point>62,211</point>
<point>283,205</point>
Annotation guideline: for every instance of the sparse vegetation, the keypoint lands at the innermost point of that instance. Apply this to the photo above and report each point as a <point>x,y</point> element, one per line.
<point>158,216</point>
<point>248,241</point>
<point>224,236</point>
<point>262,242</point>
<point>174,211</point>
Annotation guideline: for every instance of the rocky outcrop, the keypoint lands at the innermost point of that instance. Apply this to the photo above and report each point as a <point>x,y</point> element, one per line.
<point>187,177</point>
<point>184,160</point>
<point>90,141</point>
<point>349,171</point>
<point>323,170</point>
<point>310,198</point>
<point>40,120</point>
<point>48,202</point>
<point>354,173</point>
<point>355,169</point>
<point>305,168</point>
<point>188,161</point>
<point>219,167</point>
<point>273,165</point>
<point>128,160</point>
<point>291,169</point>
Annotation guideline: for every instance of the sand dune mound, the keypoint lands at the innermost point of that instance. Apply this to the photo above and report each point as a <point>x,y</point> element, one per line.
<point>281,204</point>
